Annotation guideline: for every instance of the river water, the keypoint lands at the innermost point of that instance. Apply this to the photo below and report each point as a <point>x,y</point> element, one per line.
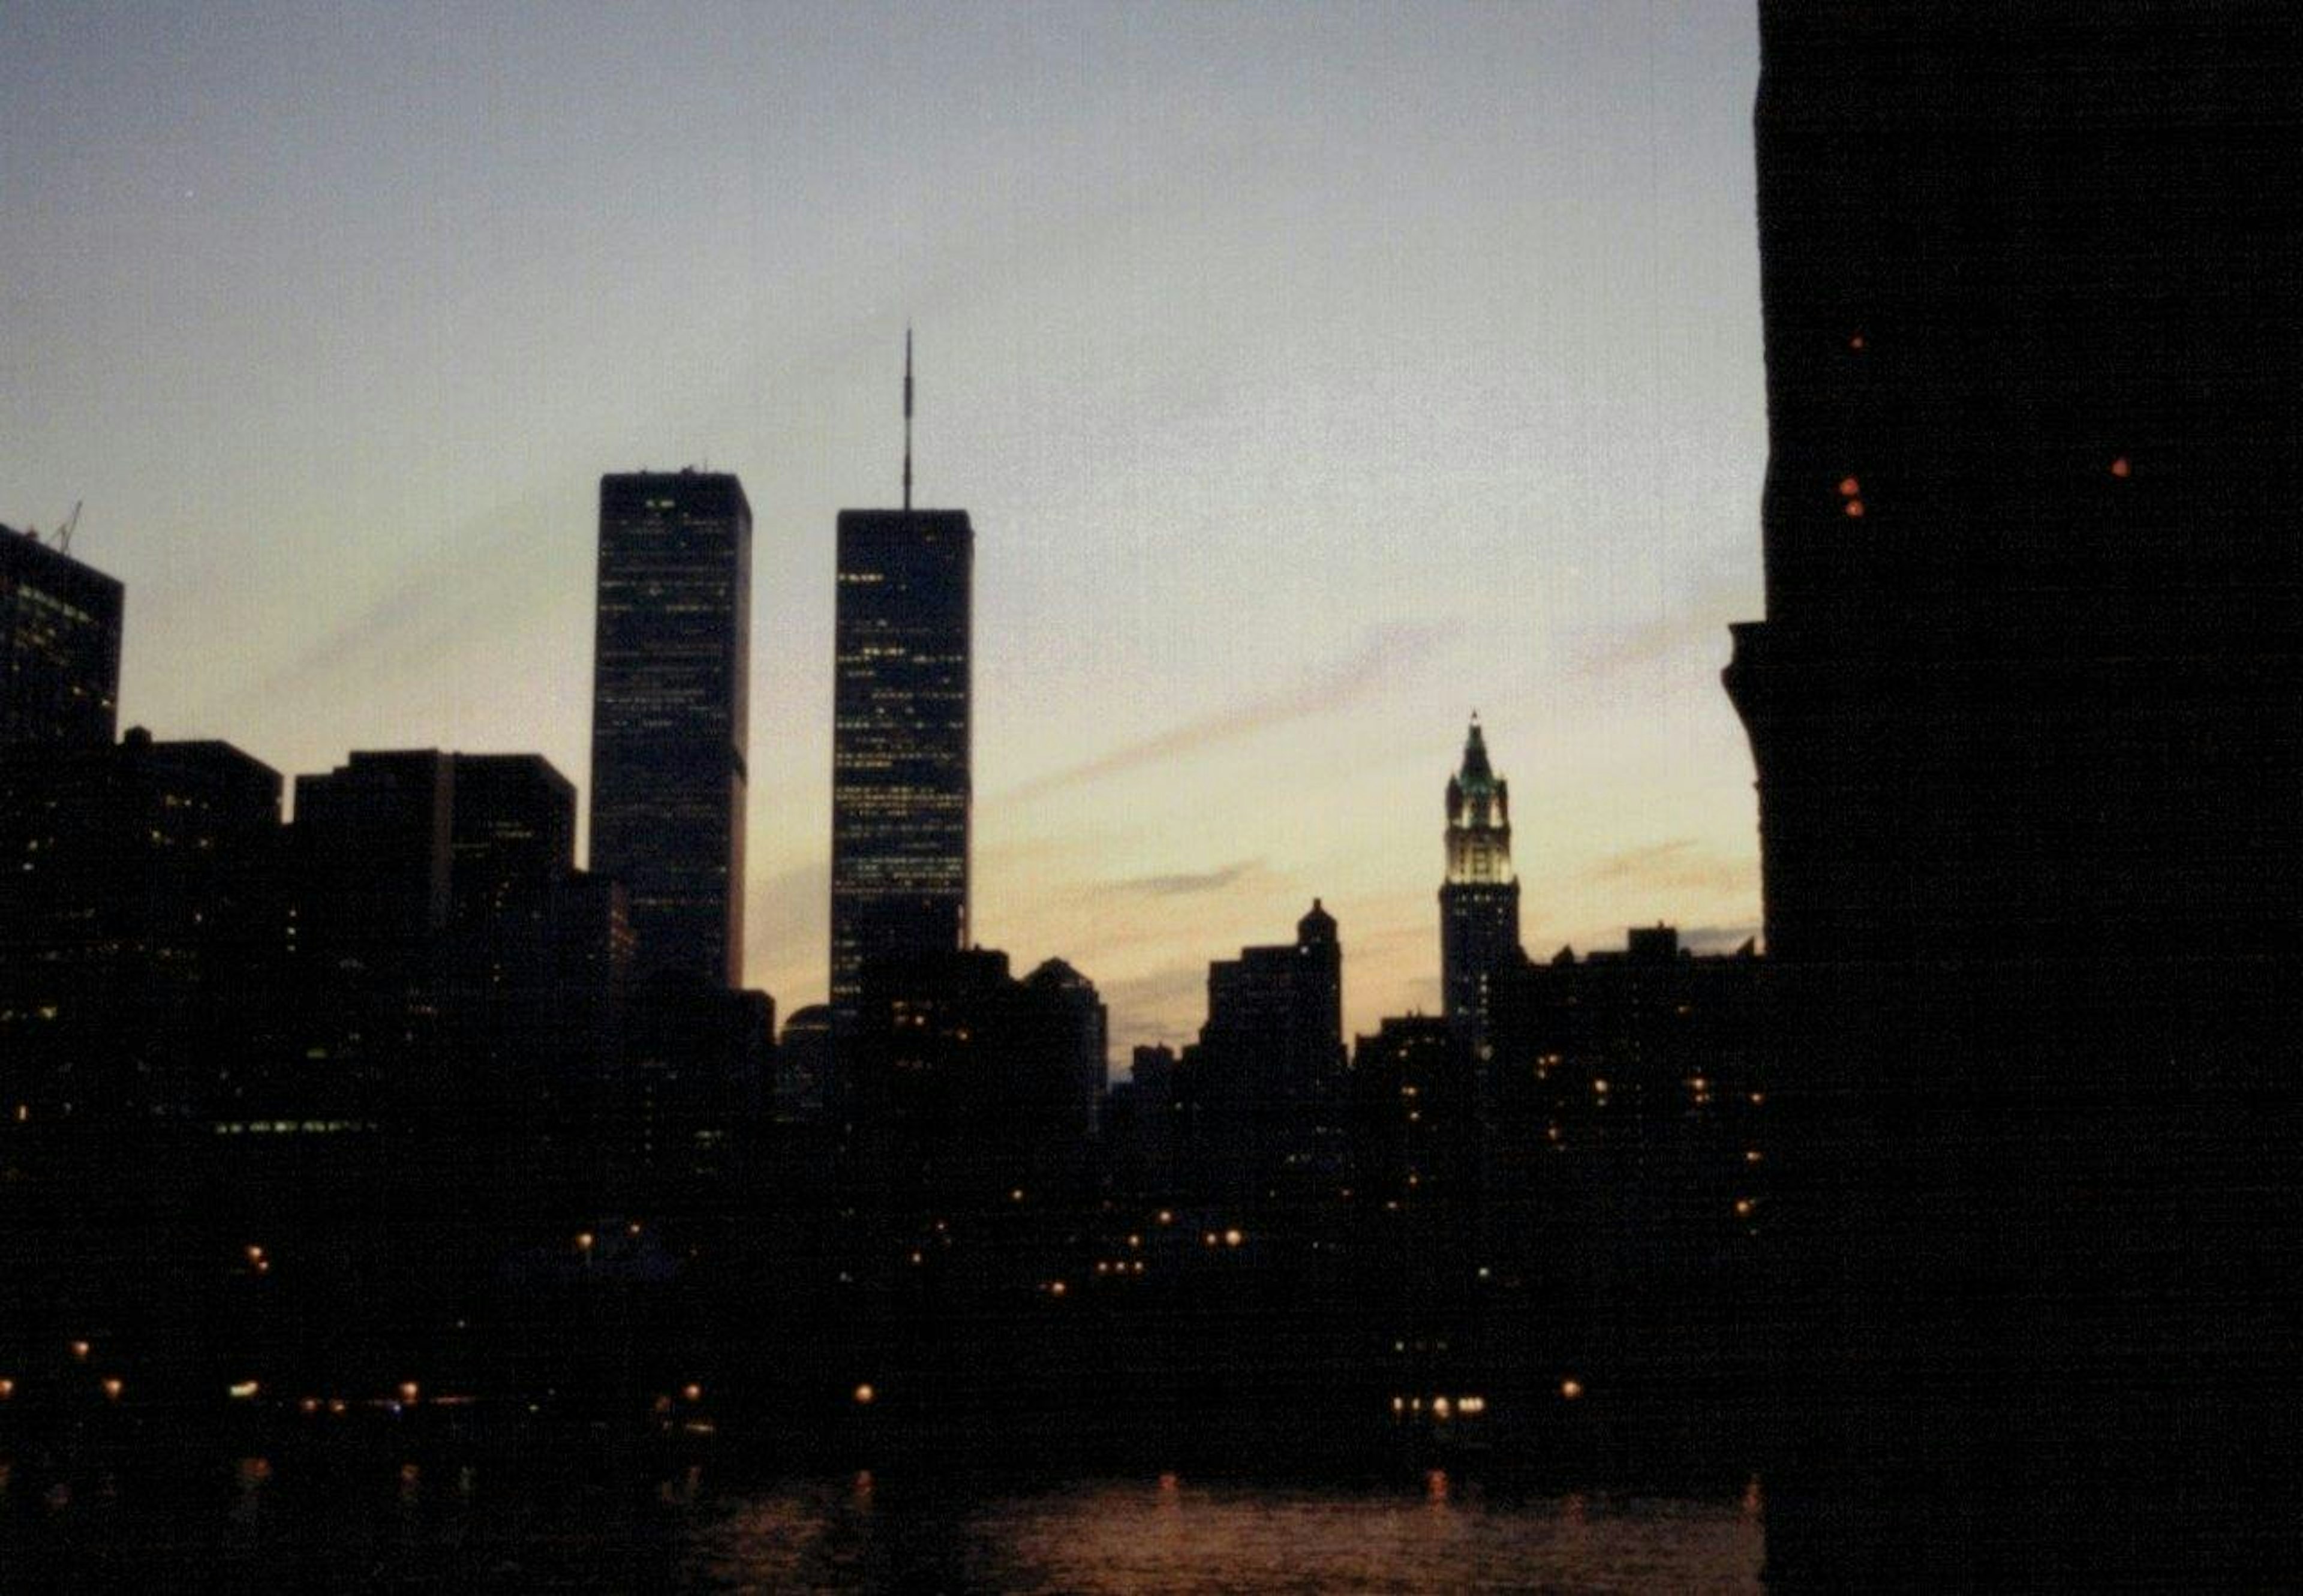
<point>255,1524</point>
<point>1154,1538</point>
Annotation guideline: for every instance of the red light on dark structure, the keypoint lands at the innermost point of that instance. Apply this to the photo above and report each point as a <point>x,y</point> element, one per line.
<point>2121,468</point>
<point>1855,342</point>
<point>1854,507</point>
<point>1849,487</point>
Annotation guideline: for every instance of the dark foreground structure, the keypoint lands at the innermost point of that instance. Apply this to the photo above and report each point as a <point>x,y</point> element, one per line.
<point>2025,710</point>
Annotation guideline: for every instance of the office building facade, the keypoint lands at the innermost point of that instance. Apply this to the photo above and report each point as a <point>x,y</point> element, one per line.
<point>59,646</point>
<point>671,664</point>
<point>901,786</point>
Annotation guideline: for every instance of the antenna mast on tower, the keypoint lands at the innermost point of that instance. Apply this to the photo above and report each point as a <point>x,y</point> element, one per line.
<point>908,417</point>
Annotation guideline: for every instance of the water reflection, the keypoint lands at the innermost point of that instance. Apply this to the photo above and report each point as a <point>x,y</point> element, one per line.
<point>1174,1539</point>
<point>320,1523</point>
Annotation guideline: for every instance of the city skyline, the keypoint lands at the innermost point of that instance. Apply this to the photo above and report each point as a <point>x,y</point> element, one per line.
<point>1327,516</point>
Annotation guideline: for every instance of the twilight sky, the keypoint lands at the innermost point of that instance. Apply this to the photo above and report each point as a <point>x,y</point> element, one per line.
<point>1314,375</point>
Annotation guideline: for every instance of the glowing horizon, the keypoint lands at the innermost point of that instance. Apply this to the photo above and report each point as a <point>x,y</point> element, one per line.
<point>1312,376</point>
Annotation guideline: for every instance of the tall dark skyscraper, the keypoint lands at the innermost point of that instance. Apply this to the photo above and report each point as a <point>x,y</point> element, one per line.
<point>1479,904</point>
<point>900,781</point>
<point>2026,710</point>
<point>59,646</point>
<point>671,663</point>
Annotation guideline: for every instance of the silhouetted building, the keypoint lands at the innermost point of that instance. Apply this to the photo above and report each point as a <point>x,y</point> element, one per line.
<point>1416,1124</point>
<point>1479,904</point>
<point>59,646</point>
<point>373,860</point>
<point>901,785</point>
<point>697,1064</point>
<point>1626,1156</point>
<point>457,972</point>
<point>512,835</point>
<point>2025,710</point>
<point>397,849</point>
<point>803,1088</point>
<point>966,1081</point>
<point>1140,1124</point>
<point>1090,1030</point>
<point>139,924</point>
<point>1261,1088</point>
<point>671,668</point>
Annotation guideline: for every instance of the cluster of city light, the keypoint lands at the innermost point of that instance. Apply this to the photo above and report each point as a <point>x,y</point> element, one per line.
<point>1441,1407</point>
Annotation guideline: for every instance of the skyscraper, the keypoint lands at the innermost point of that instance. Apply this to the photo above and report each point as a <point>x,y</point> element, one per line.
<point>1265,1079</point>
<point>669,730</point>
<point>2027,721</point>
<point>59,646</point>
<point>900,781</point>
<point>1479,904</point>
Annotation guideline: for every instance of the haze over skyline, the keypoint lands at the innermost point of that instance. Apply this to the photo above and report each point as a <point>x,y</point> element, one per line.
<point>1312,376</point>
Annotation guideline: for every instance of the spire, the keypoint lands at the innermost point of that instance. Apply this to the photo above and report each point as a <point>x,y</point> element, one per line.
<point>1477,774</point>
<point>908,416</point>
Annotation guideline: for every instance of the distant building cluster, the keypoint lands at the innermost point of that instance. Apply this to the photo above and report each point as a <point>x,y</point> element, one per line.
<point>404,1012</point>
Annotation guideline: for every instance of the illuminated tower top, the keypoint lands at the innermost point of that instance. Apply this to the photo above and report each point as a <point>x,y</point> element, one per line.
<point>1479,819</point>
<point>1479,902</point>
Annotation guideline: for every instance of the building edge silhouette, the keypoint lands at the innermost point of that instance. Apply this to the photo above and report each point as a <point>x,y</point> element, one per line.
<point>2025,712</point>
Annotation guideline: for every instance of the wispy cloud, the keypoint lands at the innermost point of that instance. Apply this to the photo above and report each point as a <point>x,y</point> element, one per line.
<point>1186,884</point>
<point>1681,864</point>
<point>462,587</point>
<point>1697,620</point>
<point>1639,861</point>
<point>1384,651</point>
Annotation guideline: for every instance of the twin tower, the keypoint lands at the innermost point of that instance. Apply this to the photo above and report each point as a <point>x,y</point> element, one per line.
<point>671,665</point>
